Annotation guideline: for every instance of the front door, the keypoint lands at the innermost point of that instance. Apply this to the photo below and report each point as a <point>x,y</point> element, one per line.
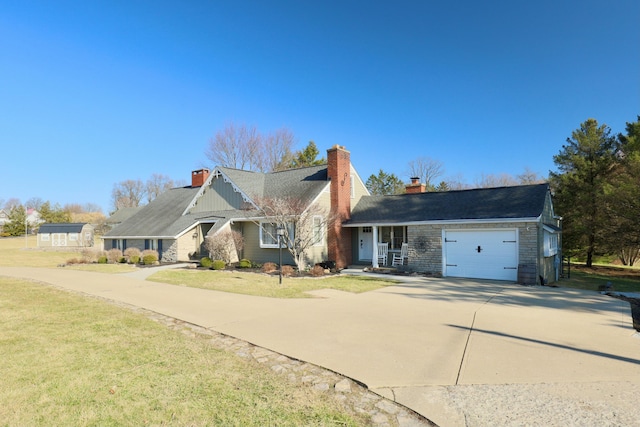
<point>58,239</point>
<point>365,245</point>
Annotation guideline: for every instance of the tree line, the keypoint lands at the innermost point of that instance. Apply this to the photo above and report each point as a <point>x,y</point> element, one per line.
<point>595,186</point>
<point>597,191</point>
<point>18,215</point>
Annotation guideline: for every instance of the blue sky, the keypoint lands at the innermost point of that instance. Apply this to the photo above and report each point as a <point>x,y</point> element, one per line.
<point>96,92</point>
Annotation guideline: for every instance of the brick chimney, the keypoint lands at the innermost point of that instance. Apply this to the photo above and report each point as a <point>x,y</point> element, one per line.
<point>416,186</point>
<point>199,177</point>
<point>338,237</point>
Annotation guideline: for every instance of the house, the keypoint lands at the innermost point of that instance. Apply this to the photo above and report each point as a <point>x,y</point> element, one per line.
<point>4,218</point>
<point>177,222</point>
<point>33,218</point>
<point>506,233</point>
<point>121,215</point>
<point>69,235</point>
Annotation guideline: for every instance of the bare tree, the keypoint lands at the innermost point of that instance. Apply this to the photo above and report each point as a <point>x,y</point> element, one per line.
<point>427,169</point>
<point>92,207</point>
<point>35,203</point>
<point>157,184</point>
<point>243,147</point>
<point>278,150</point>
<point>491,180</point>
<point>236,146</point>
<point>529,177</point>
<point>225,245</point>
<point>303,225</point>
<point>127,194</point>
<point>12,203</point>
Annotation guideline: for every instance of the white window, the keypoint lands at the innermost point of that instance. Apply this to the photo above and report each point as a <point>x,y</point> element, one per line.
<point>269,235</point>
<point>73,237</point>
<point>318,231</point>
<point>550,243</point>
<point>44,237</point>
<point>353,191</point>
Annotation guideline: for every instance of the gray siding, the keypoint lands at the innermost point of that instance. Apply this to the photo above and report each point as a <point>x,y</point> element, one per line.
<point>254,253</point>
<point>219,196</point>
<point>425,244</point>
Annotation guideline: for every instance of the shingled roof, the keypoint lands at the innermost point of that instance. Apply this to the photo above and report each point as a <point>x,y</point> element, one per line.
<point>161,218</point>
<point>502,203</point>
<point>303,183</point>
<point>165,217</point>
<point>73,227</point>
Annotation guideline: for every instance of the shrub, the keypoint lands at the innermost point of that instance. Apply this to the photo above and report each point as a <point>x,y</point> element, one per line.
<point>225,245</point>
<point>102,259</point>
<point>74,261</point>
<point>244,263</point>
<point>132,255</point>
<point>317,271</point>
<point>205,262</point>
<point>114,255</point>
<point>90,255</point>
<point>287,270</point>
<point>149,257</point>
<point>218,264</point>
<point>269,267</point>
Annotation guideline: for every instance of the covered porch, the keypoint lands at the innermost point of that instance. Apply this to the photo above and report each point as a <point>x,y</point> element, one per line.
<point>380,245</point>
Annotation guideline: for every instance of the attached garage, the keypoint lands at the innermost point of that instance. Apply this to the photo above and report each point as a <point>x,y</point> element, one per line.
<point>481,254</point>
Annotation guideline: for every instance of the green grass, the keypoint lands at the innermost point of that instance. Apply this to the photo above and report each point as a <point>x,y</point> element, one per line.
<point>16,252</point>
<point>71,360</point>
<point>266,285</point>
<point>595,279</point>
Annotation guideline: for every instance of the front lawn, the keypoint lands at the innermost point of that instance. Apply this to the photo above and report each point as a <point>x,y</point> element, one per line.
<point>68,360</point>
<point>266,285</point>
<point>595,278</point>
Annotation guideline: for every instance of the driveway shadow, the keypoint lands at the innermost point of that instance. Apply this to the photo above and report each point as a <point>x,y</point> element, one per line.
<point>507,294</point>
<point>552,344</point>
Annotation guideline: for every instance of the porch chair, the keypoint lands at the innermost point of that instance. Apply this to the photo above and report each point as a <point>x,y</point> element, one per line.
<point>383,251</point>
<point>398,258</point>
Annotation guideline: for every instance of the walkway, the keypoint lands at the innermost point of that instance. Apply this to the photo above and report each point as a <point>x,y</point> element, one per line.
<point>460,352</point>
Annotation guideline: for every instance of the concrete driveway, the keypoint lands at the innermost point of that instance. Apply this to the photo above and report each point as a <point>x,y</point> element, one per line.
<point>456,351</point>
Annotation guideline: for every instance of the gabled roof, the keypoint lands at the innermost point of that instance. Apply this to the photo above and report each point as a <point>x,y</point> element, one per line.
<point>169,214</point>
<point>519,202</point>
<point>160,218</point>
<point>122,215</point>
<point>75,227</point>
<point>303,183</point>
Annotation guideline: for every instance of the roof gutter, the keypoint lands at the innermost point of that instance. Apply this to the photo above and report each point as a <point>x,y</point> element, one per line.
<point>443,222</point>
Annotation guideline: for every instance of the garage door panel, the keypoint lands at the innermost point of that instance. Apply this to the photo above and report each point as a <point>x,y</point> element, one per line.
<point>481,254</point>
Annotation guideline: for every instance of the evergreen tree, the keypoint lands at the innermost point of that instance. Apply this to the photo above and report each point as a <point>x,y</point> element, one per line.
<point>384,184</point>
<point>623,199</point>
<point>584,165</point>
<point>17,221</point>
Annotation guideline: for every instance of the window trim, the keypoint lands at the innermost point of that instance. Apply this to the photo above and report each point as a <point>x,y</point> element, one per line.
<point>274,245</point>
<point>550,244</point>
<point>319,230</point>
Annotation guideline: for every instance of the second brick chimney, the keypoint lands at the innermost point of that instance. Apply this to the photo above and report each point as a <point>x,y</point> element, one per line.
<point>416,186</point>
<point>338,237</point>
<point>199,177</point>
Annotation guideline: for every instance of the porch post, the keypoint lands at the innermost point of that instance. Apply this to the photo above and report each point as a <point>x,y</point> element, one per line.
<point>374,259</point>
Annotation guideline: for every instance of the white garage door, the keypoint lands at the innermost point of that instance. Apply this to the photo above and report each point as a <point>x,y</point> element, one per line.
<point>481,254</point>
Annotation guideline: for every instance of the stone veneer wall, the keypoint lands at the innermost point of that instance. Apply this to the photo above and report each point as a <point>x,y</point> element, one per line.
<point>425,245</point>
<point>169,250</point>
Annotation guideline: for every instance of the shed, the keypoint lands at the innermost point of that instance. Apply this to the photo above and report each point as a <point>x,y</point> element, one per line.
<point>73,235</point>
